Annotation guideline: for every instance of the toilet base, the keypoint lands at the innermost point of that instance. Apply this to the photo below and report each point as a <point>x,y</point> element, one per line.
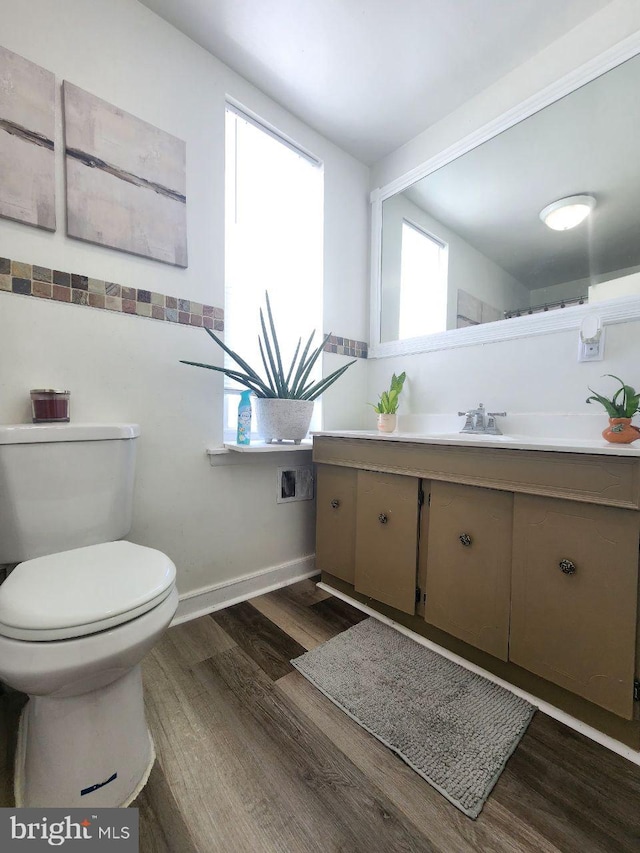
<point>92,750</point>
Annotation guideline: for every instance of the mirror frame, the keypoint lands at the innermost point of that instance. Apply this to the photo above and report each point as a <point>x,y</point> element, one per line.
<point>621,310</point>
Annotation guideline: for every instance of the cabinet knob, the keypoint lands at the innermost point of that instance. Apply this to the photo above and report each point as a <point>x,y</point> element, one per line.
<point>465,539</point>
<point>335,503</point>
<point>568,567</point>
<point>382,518</point>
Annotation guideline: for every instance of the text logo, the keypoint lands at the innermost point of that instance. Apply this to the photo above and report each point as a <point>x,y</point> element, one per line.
<point>70,829</point>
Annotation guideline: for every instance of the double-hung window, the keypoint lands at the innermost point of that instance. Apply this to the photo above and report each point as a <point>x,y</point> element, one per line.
<point>273,242</point>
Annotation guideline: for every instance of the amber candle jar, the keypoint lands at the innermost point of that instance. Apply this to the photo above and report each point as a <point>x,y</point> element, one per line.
<point>49,406</point>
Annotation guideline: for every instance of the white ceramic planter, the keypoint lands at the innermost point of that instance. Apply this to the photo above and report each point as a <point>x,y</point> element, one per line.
<point>387,423</point>
<point>283,420</point>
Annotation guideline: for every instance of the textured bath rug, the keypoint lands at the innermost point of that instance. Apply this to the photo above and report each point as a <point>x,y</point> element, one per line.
<point>453,727</point>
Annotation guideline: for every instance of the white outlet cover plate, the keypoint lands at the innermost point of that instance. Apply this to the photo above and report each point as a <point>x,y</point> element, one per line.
<point>591,351</point>
<point>304,483</point>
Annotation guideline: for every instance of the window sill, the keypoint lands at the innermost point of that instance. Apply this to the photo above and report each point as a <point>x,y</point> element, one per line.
<point>232,453</point>
<point>262,447</point>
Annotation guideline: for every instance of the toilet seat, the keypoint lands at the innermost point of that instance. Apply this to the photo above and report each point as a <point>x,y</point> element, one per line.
<point>83,591</point>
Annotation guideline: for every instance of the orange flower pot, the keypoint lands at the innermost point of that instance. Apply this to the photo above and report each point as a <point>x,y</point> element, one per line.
<point>621,431</point>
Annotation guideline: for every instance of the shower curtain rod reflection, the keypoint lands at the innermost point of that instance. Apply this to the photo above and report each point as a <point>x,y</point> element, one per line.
<point>546,306</point>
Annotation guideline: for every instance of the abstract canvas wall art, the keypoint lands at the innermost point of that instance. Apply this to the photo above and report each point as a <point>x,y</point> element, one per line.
<point>27,130</point>
<point>126,180</point>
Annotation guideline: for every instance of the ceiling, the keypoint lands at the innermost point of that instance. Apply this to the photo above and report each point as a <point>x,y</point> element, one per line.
<point>371,74</point>
<point>586,142</point>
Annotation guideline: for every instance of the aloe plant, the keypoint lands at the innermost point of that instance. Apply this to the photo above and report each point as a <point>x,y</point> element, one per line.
<point>389,400</point>
<point>625,403</point>
<point>290,384</point>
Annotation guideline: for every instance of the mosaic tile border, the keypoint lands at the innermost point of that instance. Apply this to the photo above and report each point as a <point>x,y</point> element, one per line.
<point>347,346</point>
<point>44,283</point>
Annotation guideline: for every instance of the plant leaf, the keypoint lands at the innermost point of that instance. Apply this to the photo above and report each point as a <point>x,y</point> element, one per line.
<point>614,399</point>
<point>293,361</point>
<point>628,394</point>
<point>633,403</point>
<point>258,388</point>
<point>297,384</point>
<point>612,411</point>
<point>274,369</point>
<point>389,400</point>
<point>626,407</point>
<point>321,387</point>
<point>238,360</point>
<point>611,376</point>
<point>397,382</point>
<point>276,384</point>
<point>276,347</point>
<point>313,357</point>
<point>266,366</point>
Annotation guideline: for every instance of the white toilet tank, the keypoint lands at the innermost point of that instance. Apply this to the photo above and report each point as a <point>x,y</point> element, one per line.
<point>63,486</point>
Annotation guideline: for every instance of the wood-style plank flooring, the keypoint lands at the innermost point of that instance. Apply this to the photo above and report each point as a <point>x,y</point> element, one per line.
<point>252,758</point>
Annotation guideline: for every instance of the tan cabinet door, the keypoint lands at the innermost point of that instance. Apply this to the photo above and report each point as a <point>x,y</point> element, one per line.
<point>574,597</point>
<point>469,564</point>
<point>387,538</point>
<point>336,520</point>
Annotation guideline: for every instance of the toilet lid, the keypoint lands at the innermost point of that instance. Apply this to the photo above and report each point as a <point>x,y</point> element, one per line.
<point>80,592</point>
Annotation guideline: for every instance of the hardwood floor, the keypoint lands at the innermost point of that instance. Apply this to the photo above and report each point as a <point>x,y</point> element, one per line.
<point>251,757</point>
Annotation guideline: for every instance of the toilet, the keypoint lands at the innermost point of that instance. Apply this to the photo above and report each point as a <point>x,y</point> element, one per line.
<point>78,613</point>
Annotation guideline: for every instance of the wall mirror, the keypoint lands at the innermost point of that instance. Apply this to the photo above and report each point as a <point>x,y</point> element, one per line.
<point>462,253</point>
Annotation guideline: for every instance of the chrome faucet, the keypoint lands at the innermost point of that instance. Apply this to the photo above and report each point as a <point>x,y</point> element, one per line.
<point>479,421</point>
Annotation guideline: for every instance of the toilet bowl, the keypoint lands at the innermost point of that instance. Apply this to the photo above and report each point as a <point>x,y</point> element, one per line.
<point>74,627</point>
<point>75,623</point>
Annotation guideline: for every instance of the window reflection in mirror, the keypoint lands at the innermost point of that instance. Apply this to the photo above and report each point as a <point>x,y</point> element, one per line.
<point>414,295</point>
<point>468,244</point>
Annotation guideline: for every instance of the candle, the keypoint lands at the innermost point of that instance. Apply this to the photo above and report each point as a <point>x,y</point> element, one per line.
<point>49,406</point>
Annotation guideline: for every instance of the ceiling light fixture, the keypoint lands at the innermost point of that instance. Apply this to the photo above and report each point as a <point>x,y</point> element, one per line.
<point>567,212</point>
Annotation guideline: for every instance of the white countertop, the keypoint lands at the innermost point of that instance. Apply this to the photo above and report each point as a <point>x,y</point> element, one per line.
<point>507,442</point>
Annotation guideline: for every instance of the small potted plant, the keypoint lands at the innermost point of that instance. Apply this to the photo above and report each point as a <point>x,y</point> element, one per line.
<point>285,397</point>
<point>387,406</point>
<point>621,408</point>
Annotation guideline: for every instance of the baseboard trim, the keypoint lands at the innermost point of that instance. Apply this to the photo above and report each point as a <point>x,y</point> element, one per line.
<point>546,708</point>
<point>224,594</point>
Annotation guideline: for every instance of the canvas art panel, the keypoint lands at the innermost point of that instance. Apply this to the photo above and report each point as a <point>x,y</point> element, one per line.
<point>27,130</point>
<point>126,180</point>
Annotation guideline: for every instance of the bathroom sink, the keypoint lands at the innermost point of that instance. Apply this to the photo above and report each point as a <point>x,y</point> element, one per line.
<point>511,441</point>
<point>527,442</point>
<point>483,438</point>
<point>471,436</point>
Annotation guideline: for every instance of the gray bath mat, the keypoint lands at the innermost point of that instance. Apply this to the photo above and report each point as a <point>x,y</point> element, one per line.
<point>453,727</point>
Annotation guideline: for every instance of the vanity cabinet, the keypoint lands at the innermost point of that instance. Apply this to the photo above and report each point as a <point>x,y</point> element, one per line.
<point>525,562</point>
<point>336,521</point>
<point>575,596</point>
<point>386,538</point>
<point>468,564</point>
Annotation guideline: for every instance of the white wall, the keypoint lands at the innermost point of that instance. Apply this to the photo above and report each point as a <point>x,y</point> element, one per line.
<point>535,375</point>
<point>540,374</point>
<point>593,36</point>
<point>556,292</point>
<point>580,286</point>
<point>216,523</point>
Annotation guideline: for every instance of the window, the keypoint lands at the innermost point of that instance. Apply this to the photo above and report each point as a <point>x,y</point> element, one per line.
<point>273,242</point>
<point>423,283</point>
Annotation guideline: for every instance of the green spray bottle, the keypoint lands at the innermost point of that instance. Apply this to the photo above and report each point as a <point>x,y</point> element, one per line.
<point>244,418</point>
